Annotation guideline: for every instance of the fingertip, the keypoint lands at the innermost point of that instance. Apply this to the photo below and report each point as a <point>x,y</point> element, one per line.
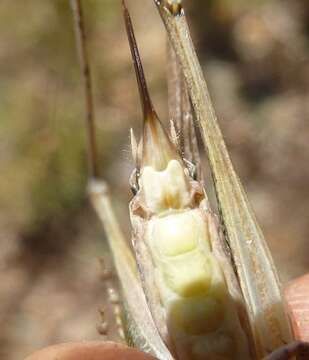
<point>89,350</point>
<point>297,297</point>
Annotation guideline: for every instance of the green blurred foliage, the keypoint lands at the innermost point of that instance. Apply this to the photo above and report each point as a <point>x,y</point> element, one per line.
<point>42,134</point>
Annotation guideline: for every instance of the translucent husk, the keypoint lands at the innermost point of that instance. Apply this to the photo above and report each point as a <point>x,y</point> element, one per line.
<point>141,219</point>
<point>191,289</point>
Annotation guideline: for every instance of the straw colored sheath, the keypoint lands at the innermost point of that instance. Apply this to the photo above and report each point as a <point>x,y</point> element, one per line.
<point>189,284</point>
<point>184,269</point>
<point>257,274</point>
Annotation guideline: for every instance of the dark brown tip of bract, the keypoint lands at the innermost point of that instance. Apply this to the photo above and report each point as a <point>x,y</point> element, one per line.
<point>157,147</point>
<point>142,85</point>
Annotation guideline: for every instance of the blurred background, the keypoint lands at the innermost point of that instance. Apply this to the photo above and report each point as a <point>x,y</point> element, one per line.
<point>256,60</point>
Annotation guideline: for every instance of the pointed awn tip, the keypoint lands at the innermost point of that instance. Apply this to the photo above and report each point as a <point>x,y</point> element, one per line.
<point>140,76</point>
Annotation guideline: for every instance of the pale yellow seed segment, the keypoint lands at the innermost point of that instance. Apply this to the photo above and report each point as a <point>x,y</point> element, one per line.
<point>201,315</point>
<point>167,189</point>
<point>175,234</point>
<point>189,275</point>
<point>176,242</point>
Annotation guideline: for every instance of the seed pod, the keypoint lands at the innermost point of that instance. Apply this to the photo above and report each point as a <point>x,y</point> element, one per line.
<point>188,280</point>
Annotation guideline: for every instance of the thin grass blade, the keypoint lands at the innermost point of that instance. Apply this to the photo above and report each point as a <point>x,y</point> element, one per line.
<point>141,331</point>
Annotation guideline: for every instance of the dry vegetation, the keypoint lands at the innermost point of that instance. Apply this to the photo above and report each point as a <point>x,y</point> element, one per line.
<point>256,60</point>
